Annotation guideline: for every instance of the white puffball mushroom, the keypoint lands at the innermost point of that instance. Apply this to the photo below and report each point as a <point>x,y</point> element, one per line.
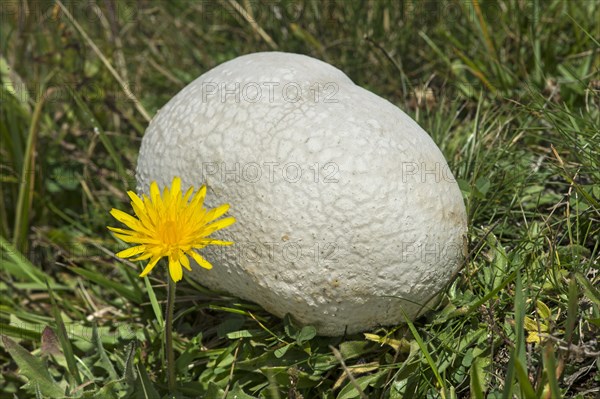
<point>347,213</point>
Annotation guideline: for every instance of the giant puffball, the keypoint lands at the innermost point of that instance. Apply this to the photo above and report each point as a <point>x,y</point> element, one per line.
<point>348,216</point>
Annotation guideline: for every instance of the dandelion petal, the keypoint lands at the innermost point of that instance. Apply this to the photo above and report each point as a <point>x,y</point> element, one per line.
<point>200,260</point>
<point>175,269</point>
<point>150,266</point>
<point>133,251</point>
<point>170,224</point>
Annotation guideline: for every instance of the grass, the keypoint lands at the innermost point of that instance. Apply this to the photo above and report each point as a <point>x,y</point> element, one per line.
<point>509,90</point>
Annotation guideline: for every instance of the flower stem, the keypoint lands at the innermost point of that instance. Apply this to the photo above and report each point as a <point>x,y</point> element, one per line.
<point>169,335</point>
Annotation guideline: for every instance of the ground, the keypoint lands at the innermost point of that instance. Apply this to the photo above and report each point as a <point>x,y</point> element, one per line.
<point>510,92</point>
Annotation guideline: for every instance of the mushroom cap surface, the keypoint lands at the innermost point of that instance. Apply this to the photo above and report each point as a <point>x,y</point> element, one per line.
<point>347,213</point>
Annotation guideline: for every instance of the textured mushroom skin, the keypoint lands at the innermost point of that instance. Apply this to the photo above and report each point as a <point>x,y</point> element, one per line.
<point>375,223</point>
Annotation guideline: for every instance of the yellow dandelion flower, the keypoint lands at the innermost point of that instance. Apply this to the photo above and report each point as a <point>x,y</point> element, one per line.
<point>172,225</point>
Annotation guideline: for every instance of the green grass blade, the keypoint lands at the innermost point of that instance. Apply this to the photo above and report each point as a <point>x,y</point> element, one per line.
<point>27,178</point>
<point>572,308</point>
<point>63,337</point>
<point>550,368</point>
<point>15,263</point>
<point>143,384</point>
<point>111,285</point>
<point>589,290</point>
<point>524,383</point>
<point>492,293</point>
<point>475,383</point>
<point>89,116</point>
<point>20,333</point>
<point>154,302</point>
<point>520,320</point>
<point>432,364</point>
<point>518,352</point>
<point>588,34</point>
